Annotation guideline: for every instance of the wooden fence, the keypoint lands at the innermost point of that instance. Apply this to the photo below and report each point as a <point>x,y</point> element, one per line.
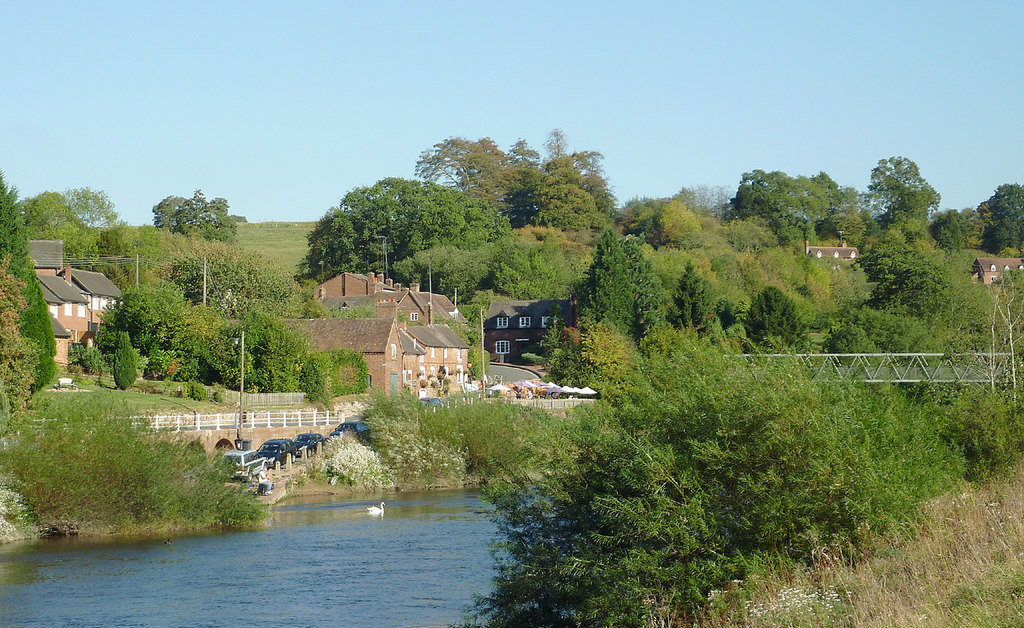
<point>262,400</point>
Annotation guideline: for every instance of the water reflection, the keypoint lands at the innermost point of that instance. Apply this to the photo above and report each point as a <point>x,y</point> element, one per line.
<point>324,560</point>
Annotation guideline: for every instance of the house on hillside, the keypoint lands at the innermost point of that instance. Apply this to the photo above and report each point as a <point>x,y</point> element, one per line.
<point>47,255</point>
<point>100,292</point>
<point>843,252</point>
<point>987,270</point>
<point>67,305</point>
<point>353,290</point>
<point>510,326</point>
<point>376,338</point>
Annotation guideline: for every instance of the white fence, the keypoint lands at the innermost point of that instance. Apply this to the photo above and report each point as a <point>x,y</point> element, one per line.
<point>254,418</point>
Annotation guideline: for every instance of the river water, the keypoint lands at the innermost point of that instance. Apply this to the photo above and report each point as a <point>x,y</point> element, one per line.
<point>324,562</point>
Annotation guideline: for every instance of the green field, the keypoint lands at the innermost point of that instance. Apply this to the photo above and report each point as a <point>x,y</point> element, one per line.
<point>284,242</point>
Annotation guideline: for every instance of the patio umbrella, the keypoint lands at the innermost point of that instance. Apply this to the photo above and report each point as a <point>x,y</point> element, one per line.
<point>498,387</point>
<point>587,390</point>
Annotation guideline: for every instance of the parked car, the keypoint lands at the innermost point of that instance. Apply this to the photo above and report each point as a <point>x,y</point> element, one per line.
<point>276,450</point>
<point>246,463</point>
<point>353,429</point>
<point>309,441</point>
<point>431,402</point>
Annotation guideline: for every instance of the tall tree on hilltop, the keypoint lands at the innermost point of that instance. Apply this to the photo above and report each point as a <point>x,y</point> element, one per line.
<point>195,216</point>
<point>1003,213</point>
<point>901,196</point>
<point>34,322</point>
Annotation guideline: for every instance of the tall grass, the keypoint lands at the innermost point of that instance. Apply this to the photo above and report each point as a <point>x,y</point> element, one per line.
<point>85,467</point>
<point>960,564</point>
<point>464,443</point>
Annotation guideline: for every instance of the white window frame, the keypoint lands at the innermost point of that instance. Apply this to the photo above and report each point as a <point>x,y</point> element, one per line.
<point>81,310</point>
<point>544,320</point>
<point>67,309</point>
<point>446,353</point>
<point>524,322</point>
<point>414,316</point>
<point>500,344</point>
<point>501,322</point>
<point>394,351</point>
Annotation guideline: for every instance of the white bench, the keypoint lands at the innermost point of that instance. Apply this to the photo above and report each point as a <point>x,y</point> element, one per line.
<point>65,382</point>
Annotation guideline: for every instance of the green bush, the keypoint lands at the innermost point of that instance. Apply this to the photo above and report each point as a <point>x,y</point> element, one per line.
<point>88,467</point>
<point>314,379</point>
<point>196,391</point>
<point>986,430</point>
<point>532,358</point>
<point>125,362</point>
<point>704,466</point>
<point>89,358</point>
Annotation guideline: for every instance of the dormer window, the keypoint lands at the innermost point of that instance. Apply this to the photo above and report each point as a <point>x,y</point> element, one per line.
<point>836,255</point>
<point>853,254</point>
<point>524,321</point>
<point>502,321</point>
<point>819,254</point>
<point>1007,267</point>
<point>992,268</point>
<point>544,320</point>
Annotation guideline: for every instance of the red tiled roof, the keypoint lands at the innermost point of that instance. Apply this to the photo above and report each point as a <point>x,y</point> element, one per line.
<point>365,335</point>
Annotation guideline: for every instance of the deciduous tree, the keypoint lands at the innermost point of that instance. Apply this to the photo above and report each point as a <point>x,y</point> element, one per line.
<point>1003,214</point>
<point>901,196</point>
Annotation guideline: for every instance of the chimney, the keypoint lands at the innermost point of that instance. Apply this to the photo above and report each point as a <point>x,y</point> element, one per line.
<point>807,246</point>
<point>380,277</point>
<point>67,273</point>
<point>843,243</point>
<point>414,287</point>
<point>377,287</point>
<point>398,287</point>
<point>387,282</point>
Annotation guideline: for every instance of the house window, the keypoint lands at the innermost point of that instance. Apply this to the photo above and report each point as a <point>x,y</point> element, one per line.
<point>458,356</point>
<point>501,346</point>
<point>446,354</point>
<point>394,351</point>
<point>67,309</point>
<point>992,268</point>
<point>81,311</point>
<point>53,310</point>
<point>421,359</point>
<point>853,254</point>
<point>524,321</point>
<point>414,316</point>
<point>502,321</point>
<point>835,254</point>
<point>544,320</point>
<point>432,352</point>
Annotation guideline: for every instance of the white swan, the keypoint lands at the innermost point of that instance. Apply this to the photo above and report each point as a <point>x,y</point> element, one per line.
<point>376,510</point>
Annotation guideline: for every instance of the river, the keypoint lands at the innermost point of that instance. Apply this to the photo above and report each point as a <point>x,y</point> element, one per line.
<point>323,562</point>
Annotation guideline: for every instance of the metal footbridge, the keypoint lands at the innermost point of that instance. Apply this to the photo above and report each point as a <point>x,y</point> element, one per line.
<point>938,368</point>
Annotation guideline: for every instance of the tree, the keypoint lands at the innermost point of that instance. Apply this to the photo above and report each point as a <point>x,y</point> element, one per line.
<point>905,279</point>
<point>790,205</point>
<point>237,281</point>
<point>694,300</point>
<point>901,196</point>
<point>1003,214</point>
<point>621,287</point>
<point>195,216</point>
<point>34,321</point>
<point>476,168</point>
<point>405,217</point>
<point>331,248</point>
<point>17,354</point>
<point>93,208</point>
<point>126,362</point>
<point>773,315</point>
<point>950,230</point>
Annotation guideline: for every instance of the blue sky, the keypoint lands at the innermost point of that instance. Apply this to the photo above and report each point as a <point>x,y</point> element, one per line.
<point>281,108</point>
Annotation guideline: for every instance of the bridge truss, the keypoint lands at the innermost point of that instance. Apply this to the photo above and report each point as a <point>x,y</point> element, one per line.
<point>963,368</point>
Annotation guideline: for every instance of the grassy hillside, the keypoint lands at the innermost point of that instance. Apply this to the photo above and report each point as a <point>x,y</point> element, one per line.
<point>284,242</point>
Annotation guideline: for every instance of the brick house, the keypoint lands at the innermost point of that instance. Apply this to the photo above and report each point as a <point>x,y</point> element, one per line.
<point>843,252</point>
<point>100,292</point>
<point>987,270</point>
<point>512,325</point>
<point>353,290</point>
<point>67,305</point>
<point>437,354</point>
<point>376,338</point>
<point>47,255</point>
<point>63,339</point>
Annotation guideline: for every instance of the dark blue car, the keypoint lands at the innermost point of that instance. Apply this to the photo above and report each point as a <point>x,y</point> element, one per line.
<point>354,429</point>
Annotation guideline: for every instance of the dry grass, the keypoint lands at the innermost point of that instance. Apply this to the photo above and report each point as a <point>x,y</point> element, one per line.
<point>962,564</point>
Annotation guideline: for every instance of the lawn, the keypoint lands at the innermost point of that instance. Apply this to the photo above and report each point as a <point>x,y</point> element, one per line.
<point>284,242</point>
<point>164,398</point>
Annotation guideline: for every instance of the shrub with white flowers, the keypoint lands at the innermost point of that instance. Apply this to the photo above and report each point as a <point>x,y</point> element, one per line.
<point>355,464</point>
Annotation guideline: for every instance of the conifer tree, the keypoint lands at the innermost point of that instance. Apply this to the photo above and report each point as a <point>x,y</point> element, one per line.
<point>694,301</point>
<point>621,287</point>
<point>34,321</point>
<point>125,362</point>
